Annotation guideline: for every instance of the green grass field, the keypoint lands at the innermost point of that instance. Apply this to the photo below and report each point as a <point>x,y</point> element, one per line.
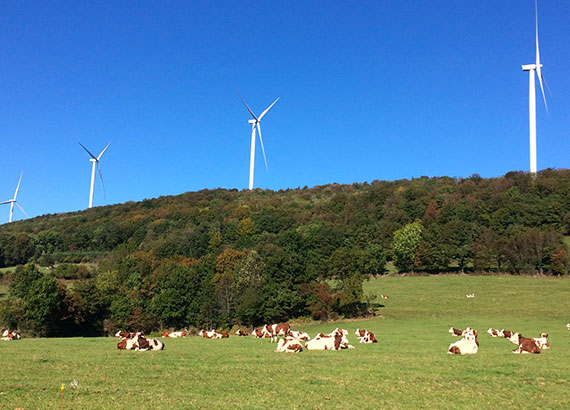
<point>408,368</point>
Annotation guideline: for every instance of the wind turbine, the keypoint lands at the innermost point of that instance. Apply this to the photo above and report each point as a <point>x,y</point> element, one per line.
<point>532,68</point>
<point>95,161</point>
<point>255,124</point>
<point>13,201</point>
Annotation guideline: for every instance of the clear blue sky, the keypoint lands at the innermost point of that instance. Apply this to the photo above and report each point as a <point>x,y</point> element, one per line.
<point>369,90</point>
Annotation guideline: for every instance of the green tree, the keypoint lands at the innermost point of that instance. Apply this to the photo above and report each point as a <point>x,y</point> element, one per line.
<point>43,306</point>
<point>405,244</point>
<point>23,279</point>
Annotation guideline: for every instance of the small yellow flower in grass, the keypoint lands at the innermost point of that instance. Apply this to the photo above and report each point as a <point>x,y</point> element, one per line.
<point>62,387</point>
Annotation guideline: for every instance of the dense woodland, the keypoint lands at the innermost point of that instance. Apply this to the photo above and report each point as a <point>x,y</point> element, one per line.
<point>218,258</point>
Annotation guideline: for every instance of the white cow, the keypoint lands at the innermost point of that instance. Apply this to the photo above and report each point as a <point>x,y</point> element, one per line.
<point>325,342</point>
<point>289,345</point>
<point>467,345</point>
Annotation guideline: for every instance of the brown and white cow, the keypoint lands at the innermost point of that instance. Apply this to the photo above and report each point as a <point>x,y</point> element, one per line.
<point>525,345</point>
<point>366,336</point>
<point>455,332</point>
<point>467,345</point>
<point>336,342</point>
<point>240,332</point>
<point>123,334</point>
<point>140,343</point>
<point>340,333</point>
<point>174,335</point>
<point>213,334</point>
<point>495,332</point>
<point>384,296</point>
<point>289,345</point>
<point>275,330</point>
<point>8,335</point>
<point>568,326</point>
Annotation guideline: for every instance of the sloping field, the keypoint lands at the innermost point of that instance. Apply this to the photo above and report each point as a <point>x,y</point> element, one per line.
<point>408,368</point>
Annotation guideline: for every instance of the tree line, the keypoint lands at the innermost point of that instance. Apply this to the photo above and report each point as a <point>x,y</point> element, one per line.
<point>227,257</point>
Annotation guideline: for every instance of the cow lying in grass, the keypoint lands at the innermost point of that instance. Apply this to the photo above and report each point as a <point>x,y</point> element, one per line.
<point>240,332</point>
<point>126,335</point>
<point>495,332</point>
<point>335,340</point>
<point>325,343</point>
<point>455,332</point>
<point>174,335</point>
<point>525,345</point>
<point>289,345</point>
<point>8,335</point>
<point>213,334</point>
<point>467,345</point>
<point>529,345</point>
<point>365,336</point>
<point>139,343</point>
<point>259,333</point>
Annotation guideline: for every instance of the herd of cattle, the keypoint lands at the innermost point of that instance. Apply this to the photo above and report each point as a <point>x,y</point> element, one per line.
<point>292,341</point>
<point>470,345</point>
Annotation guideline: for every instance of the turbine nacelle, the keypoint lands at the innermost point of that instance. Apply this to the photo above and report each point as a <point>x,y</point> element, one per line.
<point>529,67</point>
<point>252,121</point>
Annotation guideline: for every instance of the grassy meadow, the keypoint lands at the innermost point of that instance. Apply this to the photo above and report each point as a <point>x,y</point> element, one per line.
<point>408,368</point>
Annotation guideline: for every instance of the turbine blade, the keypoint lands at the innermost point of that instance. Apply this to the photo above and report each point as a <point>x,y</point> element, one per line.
<point>247,106</point>
<point>18,187</point>
<point>90,154</point>
<point>5,202</point>
<point>22,209</point>
<point>540,78</point>
<point>267,109</point>
<point>101,178</point>
<point>537,62</point>
<point>104,149</point>
<point>546,85</point>
<point>262,148</point>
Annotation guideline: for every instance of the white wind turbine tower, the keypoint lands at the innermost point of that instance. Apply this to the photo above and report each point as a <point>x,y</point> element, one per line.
<point>95,161</point>
<point>532,68</point>
<point>14,201</point>
<point>255,123</point>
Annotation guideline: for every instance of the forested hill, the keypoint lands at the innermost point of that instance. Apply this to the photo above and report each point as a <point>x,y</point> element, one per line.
<point>254,256</point>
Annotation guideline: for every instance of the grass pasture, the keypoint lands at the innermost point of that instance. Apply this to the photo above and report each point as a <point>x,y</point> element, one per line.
<point>408,368</point>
